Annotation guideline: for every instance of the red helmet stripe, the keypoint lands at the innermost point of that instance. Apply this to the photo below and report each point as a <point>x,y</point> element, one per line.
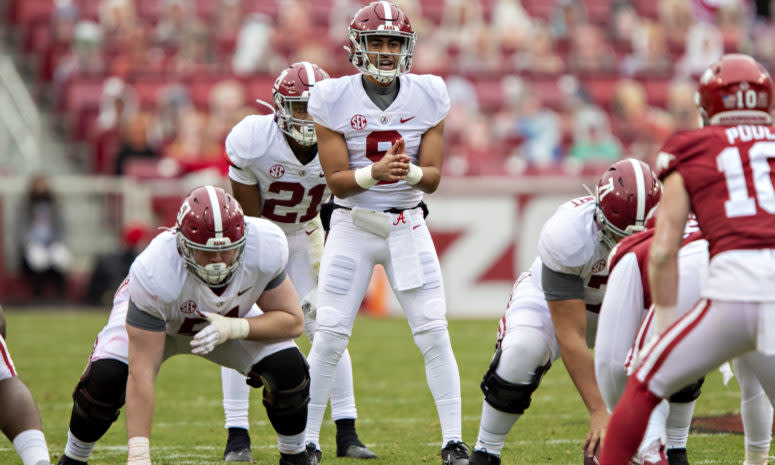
<point>215,208</point>
<point>640,215</point>
<point>388,13</point>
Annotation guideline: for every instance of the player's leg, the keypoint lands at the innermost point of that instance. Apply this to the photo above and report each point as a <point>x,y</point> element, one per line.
<point>755,409</point>
<point>236,402</point>
<point>681,355</point>
<point>425,309</point>
<point>306,247</point>
<point>679,419</point>
<point>345,271</point>
<point>19,415</point>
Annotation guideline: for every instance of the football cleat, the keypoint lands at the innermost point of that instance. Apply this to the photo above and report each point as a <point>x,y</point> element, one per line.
<point>677,456</point>
<point>356,451</point>
<point>238,446</point>
<point>482,457</point>
<point>315,455</point>
<point>302,458</point>
<point>65,460</point>
<point>455,453</point>
<point>242,455</point>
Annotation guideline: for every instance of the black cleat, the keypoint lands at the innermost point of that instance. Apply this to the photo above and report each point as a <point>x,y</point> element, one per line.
<point>455,453</point>
<point>355,450</point>
<point>238,446</point>
<point>482,457</point>
<point>315,455</point>
<point>65,460</point>
<point>677,456</point>
<point>302,458</point>
<point>347,442</point>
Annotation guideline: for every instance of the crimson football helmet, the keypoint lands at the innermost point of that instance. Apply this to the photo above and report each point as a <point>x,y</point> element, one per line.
<point>380,19</point>
<point>291,88</point>
<point>735,90</point>
<point>210,220</point>
<point>625,194</point>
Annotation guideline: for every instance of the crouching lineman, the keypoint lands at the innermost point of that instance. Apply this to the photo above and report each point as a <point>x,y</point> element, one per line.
<point>195,289</point>
<point>19,416</point>
<point>620,332</point>
<point>553,307</point>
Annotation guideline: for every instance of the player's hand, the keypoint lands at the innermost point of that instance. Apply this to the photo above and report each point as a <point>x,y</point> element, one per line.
<point>394,165</point>
<point>309,303</point>
<point>220,330</point>
<point>598,422</point>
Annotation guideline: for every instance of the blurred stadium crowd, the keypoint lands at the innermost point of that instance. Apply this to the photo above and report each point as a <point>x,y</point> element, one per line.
<point>150,88</point>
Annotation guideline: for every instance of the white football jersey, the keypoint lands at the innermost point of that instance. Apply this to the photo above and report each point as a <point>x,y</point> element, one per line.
<point>569,243</point>
<point>291,192</point>
<point>343,106</point>
<point>160,285</point>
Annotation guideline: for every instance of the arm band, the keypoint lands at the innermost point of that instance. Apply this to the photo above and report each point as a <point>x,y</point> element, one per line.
<point>414,175</point>
<point>363,177</point>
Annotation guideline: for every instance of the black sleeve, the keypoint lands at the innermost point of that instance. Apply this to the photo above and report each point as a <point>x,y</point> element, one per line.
<point>276,281</point>
<point>561,286</point>
<point>142,320</point>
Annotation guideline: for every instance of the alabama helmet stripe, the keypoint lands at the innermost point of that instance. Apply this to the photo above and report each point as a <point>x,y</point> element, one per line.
<point>310,73</point>
<point>215,208</point>
<point>388,13</point>
<point>640,217</point>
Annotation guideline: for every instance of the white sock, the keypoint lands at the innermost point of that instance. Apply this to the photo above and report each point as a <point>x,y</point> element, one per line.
<point>756,413</point>
<point>443,379</point>
<point>655,430</point>
<point>290,444</point>
<point>31,447</point>
<point>236,398</point>
<point>493,428</point>
<point>679,419</point>
<point>342,396</point>
<point>756,457</point>
<point>327,349</point>
<point>77,449</point>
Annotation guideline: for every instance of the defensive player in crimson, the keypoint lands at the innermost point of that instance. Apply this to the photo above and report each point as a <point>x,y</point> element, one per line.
<point>19,415</point>
<point>197,288</point>
<point>625,326</point>
<point>552,309</point>
<point>275,174</point>
<point>380,142</point>
<point>722,174</point>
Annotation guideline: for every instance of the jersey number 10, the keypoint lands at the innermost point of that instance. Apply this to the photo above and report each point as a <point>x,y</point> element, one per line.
<point>730,163</point>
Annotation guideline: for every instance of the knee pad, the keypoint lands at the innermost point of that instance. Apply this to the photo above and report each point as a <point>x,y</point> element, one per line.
<point>101,392</point>
<point>285,377</point>
<point>505,396</point>
<point>689,393</point>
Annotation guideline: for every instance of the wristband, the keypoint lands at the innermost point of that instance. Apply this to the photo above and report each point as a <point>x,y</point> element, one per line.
<point>363,177</point>
<point>240,328</point>
<point>139,451</point>
<point>414,175</point>
<point>664,316</point>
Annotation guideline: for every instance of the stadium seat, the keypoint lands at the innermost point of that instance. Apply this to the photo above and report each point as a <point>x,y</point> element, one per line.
<point>538,8</point>
<point>600,88</point>
<point>26,12</point>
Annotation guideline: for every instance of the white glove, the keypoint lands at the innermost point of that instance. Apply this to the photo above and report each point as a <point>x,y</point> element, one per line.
<point>139,451</point>
<point>309,304</point>
<point>220,330</point>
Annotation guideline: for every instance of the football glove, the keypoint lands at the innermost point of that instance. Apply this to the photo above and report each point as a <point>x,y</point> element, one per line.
<point>220,330</point>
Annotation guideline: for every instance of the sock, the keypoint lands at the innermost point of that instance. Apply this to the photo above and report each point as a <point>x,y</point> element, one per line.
<point>327,349</point>
<point>757,423</point>
<point>655,429</point>
<point>677,426</point>
<point>493,428</point>
<point>77,449</point>
<point>345,432</point>
<point>291,444</point>
<point>628,423</point>
<point>756,457</point>
<point>342,396</point>
<point>31,447</point>
<point>441,373</point>
<point>236,398</point>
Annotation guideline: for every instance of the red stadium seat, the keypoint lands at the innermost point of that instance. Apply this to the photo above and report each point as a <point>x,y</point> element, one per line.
<point>147,89</point>
<point>600,88</point>
<point>538,8</point>
<point>657,89</point>
<point>489,92</point>
<point>26,12</point>
<point>259,86</point>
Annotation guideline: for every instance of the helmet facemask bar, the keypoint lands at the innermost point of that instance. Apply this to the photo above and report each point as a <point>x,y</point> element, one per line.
<point>212,274</point>
<point>301,130</point>
<point>360,52</point>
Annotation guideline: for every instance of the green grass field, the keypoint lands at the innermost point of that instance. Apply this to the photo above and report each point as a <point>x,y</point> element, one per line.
<point>397,418</point>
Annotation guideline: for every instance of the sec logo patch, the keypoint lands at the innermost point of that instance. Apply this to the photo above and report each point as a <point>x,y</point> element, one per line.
<point>188,306</point>
<point>277,171</point>
<point>358,122</point>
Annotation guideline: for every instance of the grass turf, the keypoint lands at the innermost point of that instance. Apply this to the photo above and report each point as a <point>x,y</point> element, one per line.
<point>397,417</point>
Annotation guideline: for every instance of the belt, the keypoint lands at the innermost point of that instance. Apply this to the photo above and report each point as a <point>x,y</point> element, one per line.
<point>394,209</point>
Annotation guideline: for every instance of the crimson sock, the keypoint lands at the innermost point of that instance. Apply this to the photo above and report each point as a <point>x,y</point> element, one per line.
<point>628,423</point>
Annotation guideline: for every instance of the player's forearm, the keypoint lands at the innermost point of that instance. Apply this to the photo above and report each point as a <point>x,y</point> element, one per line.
<point>663,276</point>
<point>276,326</point>
<point>343,184</point>
<point>139,406</point>
<point>580,364</point>
<point>431,178</point>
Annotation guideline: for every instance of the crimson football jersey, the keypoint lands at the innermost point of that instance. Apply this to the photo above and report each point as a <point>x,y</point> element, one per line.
<point>727,173</point>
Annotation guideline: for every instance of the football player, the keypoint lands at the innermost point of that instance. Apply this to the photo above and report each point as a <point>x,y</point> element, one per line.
<point>381,146</point>
<point>19,416</point>
<point>197,289</point>
<point>552,310</point>
<point>709,171</point>
<point>275,174</point>
<point>624,326</point>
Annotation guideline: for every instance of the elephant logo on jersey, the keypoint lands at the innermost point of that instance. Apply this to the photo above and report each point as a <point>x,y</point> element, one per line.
<point>598,266</point>
<point>277,171</point>
<point>188,306</point>
<point>358,122</point>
